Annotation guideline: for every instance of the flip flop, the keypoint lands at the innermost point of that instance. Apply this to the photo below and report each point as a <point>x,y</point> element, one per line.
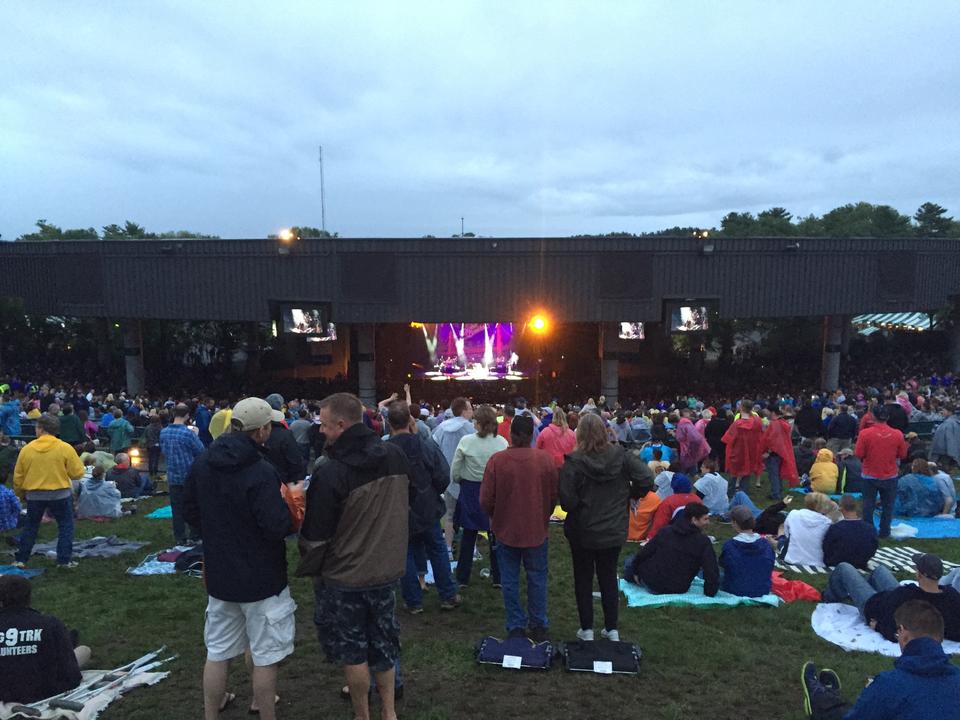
<point>228,698</point>
<point>276,701</point>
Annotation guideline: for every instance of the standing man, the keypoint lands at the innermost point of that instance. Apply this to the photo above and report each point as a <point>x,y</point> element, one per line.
<point>282,448</point>
<point>300,429</point>
<point>447,435</point>
<point>354,545</point>
<point>778,454</point>
<point>946,438</point>
<point>43,475</point>
<point>743,440</point>
<point>518,493</point>
<point>880,447</point>
<point>841,431</point>
<point>232,497</point>
<point>181,446</point>
<point>202,419</point>
<point>120,431</point>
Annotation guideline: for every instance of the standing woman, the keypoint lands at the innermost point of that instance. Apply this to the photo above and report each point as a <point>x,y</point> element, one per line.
<point>596,484</point>
<point>469,461</point>
<point>557,439</point>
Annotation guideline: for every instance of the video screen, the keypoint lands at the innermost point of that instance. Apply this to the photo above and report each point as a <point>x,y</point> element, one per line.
<point>470,351</point>
<point>631,331</point>
<point>689,318</point>
<point>311,321</point>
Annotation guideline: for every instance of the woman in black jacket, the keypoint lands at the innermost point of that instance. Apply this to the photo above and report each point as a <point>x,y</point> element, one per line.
<point>597,481</point>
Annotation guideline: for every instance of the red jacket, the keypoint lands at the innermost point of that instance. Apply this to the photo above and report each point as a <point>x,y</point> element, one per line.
<point>664,513</point>
<point>879,447</point>
<point>776,440</point>
<point>519,493</point>
<point>743,440</point>
<point>557,441</point>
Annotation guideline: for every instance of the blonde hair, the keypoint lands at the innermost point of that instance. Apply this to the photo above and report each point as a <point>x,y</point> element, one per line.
<point>821,503</point>
<point>560,418</point>
<point>592,435</point>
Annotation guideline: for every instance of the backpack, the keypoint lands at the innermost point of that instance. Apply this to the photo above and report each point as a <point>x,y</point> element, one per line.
<point>191,561</point>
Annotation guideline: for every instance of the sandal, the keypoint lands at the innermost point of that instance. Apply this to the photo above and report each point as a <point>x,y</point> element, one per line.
<point>228,698</point>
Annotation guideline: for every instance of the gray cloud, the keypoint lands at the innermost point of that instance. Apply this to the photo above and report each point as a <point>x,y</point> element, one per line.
<point>532,118</point>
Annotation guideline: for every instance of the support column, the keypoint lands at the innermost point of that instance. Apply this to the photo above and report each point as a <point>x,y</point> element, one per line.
<point>366,363</point>
<point>832,341</point>
<point>609,363</point>
<point>846,337</point>
<point>104,343</point>
<point>955,347</point>
<point>133,356</point>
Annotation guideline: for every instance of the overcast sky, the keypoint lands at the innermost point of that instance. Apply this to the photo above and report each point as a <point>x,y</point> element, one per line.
<point>531,118</point>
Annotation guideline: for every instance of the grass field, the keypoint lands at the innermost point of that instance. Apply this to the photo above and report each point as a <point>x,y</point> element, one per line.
<point>727,663</point>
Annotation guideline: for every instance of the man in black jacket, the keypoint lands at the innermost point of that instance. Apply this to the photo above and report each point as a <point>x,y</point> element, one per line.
<point>282,448</point>
<point>808,421</point>
<point>669,563</point>
<point>841,430</point>
<point>233,498</point>
<point>37,659</point>
<point>429,477</point>
<point>354,545</point>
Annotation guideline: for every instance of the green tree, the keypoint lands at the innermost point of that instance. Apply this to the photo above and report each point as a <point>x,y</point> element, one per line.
<point>866,220</point>
<point>932,221</point>
<point>739,225</point>
<point>810,226</point>
<point>306,231</point>
<point>81,234</point>
<point>776,222</point>
<point>45,233</point>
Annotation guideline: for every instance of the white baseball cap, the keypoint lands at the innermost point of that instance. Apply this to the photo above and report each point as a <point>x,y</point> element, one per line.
<point>252,413</point>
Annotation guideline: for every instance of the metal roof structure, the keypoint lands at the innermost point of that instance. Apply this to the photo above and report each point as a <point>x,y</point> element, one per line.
<point>580,279</point>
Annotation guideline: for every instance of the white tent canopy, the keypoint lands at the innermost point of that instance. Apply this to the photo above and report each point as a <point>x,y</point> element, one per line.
<point>914,321</point>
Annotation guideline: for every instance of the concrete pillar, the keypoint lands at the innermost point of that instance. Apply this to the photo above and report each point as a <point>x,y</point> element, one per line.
<point>830,367</point>
<point>955,347</point>
<point>366,363</point>
<point>104,333</point>
<point>609,363</point>
<point>846,337</point>
<point>133,356</point>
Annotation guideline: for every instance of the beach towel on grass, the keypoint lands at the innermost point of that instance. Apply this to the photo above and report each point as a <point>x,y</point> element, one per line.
<point>98,547</point>
<point>164,513</point>
<point>152,566</point>
<point>28,573</point>
<point>638,596</point>
<point>842,625</point>
<point>95,705</point>
<point>896,559</point>
<point>931,527</point>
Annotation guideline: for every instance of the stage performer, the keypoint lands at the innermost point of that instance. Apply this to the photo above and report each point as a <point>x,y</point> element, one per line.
<point>778,454</point>
<point>693,446</point>
<point>743,440</point>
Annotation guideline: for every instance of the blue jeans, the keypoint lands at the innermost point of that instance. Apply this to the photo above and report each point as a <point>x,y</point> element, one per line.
<point>773,472</point>
<point>535,563</point>
<point>741,498</point>
<point>436,548</point>
<point>468,542</point>
<point>62,512</point>
<point>887,489</point>
<point>846,582</point>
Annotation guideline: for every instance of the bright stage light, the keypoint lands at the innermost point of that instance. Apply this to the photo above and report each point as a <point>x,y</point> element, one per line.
<point>285,236</point>
<point>539,324</point>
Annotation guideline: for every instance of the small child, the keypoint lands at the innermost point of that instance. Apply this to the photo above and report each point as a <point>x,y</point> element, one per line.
<point>747,559</point>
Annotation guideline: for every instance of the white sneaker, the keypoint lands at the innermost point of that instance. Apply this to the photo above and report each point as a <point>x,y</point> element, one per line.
<point>585,635</point>
<point>613,635</point>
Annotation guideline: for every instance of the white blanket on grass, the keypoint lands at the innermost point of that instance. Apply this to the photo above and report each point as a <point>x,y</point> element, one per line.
<point>842,625</point>
<point>95,705</point>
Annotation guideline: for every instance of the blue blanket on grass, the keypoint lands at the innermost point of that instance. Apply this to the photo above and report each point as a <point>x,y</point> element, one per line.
<point>164,513</point>
<point>28,573</point>
<point>638,596</point>
<point>929,527</point>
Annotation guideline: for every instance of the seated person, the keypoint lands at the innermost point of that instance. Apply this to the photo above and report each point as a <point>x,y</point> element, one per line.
<point>850,540</point>
<point>924,684</point>
<point>712,488</point>
<point>671,560</point>
<point>824,473</point>
<point>129,481</point>
<point>805,528</point>
<point>98,498</point>
<point>646,454</point>
<point>641,516</point>
<point>747,559</point>
<point>948,491</point>
<point>658,464</point>
<point>41,661</point>
<point>100,457</point>
<point>662,481</point>
<point>768,521</point>
<point>803,454</point>
<point>879,596</point>
<point>682,495</point>
<point>918,494</point>
<point>10,507</point>
<point>851,472</point>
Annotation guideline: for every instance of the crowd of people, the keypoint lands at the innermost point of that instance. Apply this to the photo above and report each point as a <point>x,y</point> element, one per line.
<point>374,492</point>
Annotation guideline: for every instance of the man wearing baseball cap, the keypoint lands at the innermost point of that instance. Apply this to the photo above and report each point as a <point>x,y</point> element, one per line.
<point>233,498</point>
<point>879,596</point>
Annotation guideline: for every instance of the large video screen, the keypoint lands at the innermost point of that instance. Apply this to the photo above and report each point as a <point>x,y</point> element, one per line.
<point>312,321</point>
<point>631,331</point>
<point>470,351</point>
<point>685,317</point>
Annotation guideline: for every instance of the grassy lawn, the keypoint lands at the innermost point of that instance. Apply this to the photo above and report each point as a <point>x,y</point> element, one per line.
<point>717,663</point>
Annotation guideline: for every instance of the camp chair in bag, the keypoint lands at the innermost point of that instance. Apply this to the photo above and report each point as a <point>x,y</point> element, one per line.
<point>604,657</point>
<point>516,653</point>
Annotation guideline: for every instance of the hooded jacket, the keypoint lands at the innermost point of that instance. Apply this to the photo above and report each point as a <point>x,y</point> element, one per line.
<point>10,418</point>
<point>946,439</point>
<point>670,561</point>
<point>824,473</point>
<point>354,534</point>
<point>98,498</point>
<point>743,440</point>
<point>429,477</point>
<point>747,566</point>
<point>595,490</point>
<point>71,430</point>
<point>777,440</point>
<point>232,497</point>
<point>46,463</point>
<point>924,684</point>
<point>805,530</point>
<point>284,453</point>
